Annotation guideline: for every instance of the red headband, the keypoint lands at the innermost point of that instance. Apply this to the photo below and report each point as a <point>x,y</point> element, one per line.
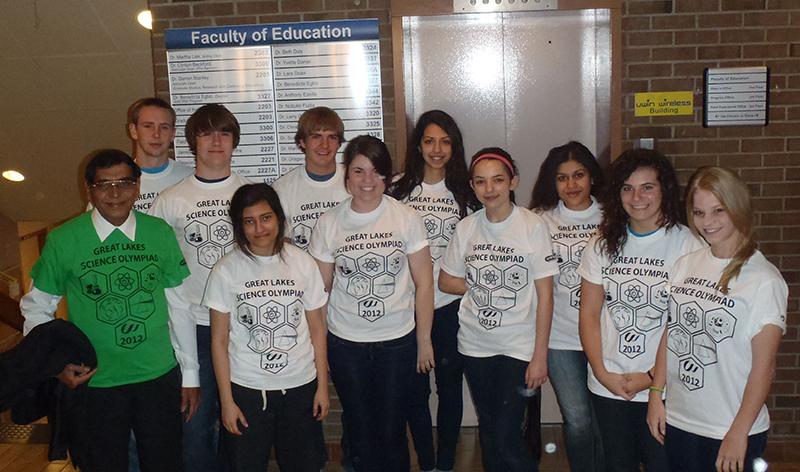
<point>493,156</point>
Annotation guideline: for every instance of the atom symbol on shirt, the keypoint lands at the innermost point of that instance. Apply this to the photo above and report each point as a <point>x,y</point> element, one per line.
<point>371,264</point>
<point>272,314</point>
<point>124,282</point>
<point>490,277</point>
<point>690,315</point>
<point>221,232</point>
<point>634,293</point>
<point>431,226</point>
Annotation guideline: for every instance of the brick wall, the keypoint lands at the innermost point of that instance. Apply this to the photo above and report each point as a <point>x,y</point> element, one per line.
<point>666,46</point>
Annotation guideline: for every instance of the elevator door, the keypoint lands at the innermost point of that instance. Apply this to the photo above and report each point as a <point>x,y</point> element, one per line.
<point>524,81</point>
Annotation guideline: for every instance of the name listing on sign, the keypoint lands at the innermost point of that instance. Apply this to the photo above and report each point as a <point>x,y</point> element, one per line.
<point>268,75</point>
<point>736,96</point>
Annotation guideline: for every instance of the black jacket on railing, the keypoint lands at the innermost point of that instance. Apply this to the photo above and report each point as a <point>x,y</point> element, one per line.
<point>28,386</point>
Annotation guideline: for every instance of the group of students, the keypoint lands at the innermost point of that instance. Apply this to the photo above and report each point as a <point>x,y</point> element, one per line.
<point>598,287</point>
<point>438,268</point>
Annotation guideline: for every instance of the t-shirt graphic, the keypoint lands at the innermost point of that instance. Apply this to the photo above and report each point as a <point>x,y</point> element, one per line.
<point>304,200</point>
<point>267,297</point>
<point>695,333</point>
<point>372,298</point>
<point>709,339</point>
<point>371,279</point>
<point>212,240</point>
<point>273,330</point>
<point>125,293</point>
<point>499,263</point>
<point>636,298</point>
<point>636,308</point>
<point>115,293</point>
<point>570,230</point>
<point>493,287</point>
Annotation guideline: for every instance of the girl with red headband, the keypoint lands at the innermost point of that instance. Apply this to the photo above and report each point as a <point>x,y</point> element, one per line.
<point>501,260</point>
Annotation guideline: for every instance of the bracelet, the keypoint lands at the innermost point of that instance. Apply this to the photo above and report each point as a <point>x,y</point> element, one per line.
<point>657,389</point>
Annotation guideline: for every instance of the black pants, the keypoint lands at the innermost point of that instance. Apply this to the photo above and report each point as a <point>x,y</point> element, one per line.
<point>627,441</point>
<point>689,452</point>
<point>152,409</point>
<point>284,418</point>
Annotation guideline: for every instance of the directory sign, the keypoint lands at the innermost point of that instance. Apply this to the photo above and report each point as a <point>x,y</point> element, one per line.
<point>736,96</point>
<point>268,75</point>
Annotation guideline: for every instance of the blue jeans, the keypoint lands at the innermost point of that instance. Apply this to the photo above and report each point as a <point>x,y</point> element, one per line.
<point>449,377</point>
<point>497,385</point>
<point>627,441</point>
<point>201,433</point>
<point>374,383</point>
<point>568,373</point>
<point>689,452</point>
<point>420,423</point>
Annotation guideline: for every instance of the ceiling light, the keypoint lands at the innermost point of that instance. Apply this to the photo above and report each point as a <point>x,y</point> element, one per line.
<point>146,19</point>
<point>13,176</point>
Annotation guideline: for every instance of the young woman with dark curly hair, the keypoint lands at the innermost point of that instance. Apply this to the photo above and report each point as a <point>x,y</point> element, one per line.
<point>564,196</point>
<point>623,301</point>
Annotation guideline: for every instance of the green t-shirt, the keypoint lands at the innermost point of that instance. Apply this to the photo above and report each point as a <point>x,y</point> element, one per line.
<point>115,293</point>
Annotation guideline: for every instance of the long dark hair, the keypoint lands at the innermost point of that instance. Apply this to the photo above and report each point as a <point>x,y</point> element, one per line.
<point>456,176</point>
<point>247,196</point>
<point>613,228</point>
<point>545,195</point>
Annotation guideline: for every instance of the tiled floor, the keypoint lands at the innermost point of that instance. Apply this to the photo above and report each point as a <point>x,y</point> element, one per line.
<point>784,457</point>
<point>33,458</point>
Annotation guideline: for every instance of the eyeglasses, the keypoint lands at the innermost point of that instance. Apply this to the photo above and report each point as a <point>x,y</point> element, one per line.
<point>107,185</point>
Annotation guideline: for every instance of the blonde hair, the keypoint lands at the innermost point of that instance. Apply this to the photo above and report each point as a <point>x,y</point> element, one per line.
<point>735,200</point>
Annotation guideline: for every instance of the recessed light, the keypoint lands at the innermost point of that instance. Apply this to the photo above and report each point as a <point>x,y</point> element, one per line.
<point>13,176</point>
<point>145,19</point>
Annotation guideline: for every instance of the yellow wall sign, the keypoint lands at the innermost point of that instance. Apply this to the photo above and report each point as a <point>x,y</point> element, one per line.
<point>664,103</point>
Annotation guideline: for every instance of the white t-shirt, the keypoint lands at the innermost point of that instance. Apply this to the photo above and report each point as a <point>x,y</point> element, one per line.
<point>439,211</point>
<point>500,262</point>
<point>569,230</point>
<point>153,184</point>
<point>270,344</point>
<point>709,351</point>
<point>304,200</point>
<point>198,212</point>
<point>373,294</point>
<point>635,307</point>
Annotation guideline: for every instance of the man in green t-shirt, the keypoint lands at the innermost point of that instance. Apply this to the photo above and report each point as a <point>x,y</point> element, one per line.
<point>117,267</point>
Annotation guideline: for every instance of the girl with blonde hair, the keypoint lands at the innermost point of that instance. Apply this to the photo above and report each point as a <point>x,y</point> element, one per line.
<point>717,356</point>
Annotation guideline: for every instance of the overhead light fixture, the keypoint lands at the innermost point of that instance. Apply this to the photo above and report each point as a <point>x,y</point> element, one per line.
<point>145,19</point>
<point>13,176</point>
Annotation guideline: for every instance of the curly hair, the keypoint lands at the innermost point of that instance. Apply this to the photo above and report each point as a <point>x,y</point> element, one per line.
<point>734,197</point>
<point>456,174</point>
<point>545,196</point>
<point>613,230</point>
